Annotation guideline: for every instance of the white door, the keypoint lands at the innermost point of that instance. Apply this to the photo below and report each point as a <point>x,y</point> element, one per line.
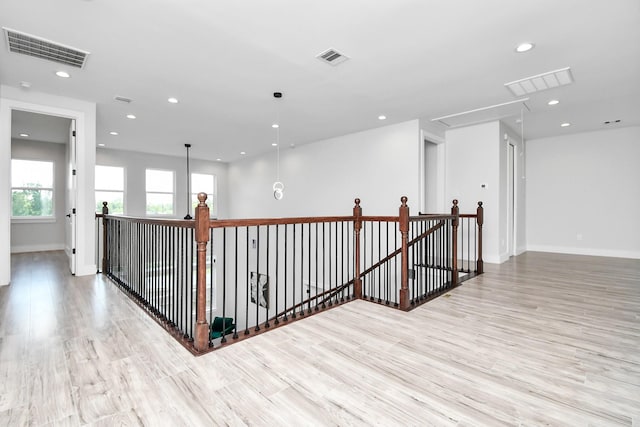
<point>70,229</point>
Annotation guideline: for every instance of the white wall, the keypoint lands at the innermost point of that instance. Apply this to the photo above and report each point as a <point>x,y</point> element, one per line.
<point>473,158</point>
<point>30,236</point>
<point>585,184</point>
<point>477,155</point>
<point>85,115</point>
<point>378,166</point>
<point>135,165</point>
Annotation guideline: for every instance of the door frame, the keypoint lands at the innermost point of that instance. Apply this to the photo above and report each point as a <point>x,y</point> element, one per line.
<point>84,121</point>
<point>430,138</point>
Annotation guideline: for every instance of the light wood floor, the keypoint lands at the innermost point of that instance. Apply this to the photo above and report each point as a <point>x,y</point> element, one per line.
<point>540,340</point>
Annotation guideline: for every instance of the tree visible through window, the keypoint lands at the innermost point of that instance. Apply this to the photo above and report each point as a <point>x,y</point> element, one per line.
<point>31,189</point>
<point>160,192</point>
<point>110,188</point>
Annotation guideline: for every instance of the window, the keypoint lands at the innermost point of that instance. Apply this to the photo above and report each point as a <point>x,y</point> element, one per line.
<point>110,188</point>
<point>160,185</point>
<point>203,183</point>
<point>31,189</point>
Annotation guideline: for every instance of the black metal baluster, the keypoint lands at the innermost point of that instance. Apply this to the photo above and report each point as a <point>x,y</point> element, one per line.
<point>277,282</point>
<point>324,266</point>
<point>268,299</point>
<point>286,276</point>
<point>293,277</point>
<point>235,284</point>
<point>257,278</point>
<point>247,285</point>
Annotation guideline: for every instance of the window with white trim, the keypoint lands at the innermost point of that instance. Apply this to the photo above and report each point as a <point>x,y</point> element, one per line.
<point>160,187</point>
<point>204,183</point>
<point>32,189</point>
<point>110,188</point>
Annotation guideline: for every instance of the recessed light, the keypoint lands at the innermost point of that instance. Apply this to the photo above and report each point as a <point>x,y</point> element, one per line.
<point>131,116</point>
<point>63,74</point>
<point>553,102</point>
<point>382,117</point>
<point>114,133</point>
<point>100,145</point>
<point>173,100</point>
<point>24,135</point>
<point>274,144</point>
<point>564,125</point>
<point>243,153</point>
<point>275,126</point>
<point>524,47</point>
<point>218,160</point>
<point>25,85</point>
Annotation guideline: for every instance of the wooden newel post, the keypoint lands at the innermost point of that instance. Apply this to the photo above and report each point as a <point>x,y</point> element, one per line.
<point>105,212</point>
<point>480,221</point>
<point>201,338</point>
<point>357,226</point>
<point>404,275</point>
<point>455,211</point>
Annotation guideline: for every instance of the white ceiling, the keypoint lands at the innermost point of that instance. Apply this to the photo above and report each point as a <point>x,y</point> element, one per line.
<point>410,59</point>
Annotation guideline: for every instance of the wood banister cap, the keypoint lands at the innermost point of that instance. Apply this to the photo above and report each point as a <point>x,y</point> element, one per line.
<point>202,197</point>
<point>357,202</point>
<point>404,199</point>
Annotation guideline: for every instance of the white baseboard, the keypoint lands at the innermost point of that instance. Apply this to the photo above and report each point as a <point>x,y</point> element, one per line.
<point>495,259</point>
<point>37,248</point>
<point>584,251</point>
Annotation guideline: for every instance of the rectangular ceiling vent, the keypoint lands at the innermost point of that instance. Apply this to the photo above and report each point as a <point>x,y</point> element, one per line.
<point>332,57</point>
<point>122,99</point>
<point>38,47</point>
<point>540,82</point>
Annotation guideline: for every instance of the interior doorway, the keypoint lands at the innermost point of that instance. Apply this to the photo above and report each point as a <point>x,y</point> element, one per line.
<point>431,178</point>
<point>48,140</point>
<point>511,199</point>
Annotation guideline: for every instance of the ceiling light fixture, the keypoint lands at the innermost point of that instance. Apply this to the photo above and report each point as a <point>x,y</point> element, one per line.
<point>564,125</point>
<point>188,215</point>
<point>553,102</point>
<point>275,126</point>
<point>218,160</point>
<point>172,100</point>
<point>63,74</point>
<point>24,135</point>
<point>131,116</point>
<point>524,47</point>
<point>243,153</point>
<point>274,144</point>
<point>278,186</point>
<point>114,133</point>
<point>382,117</point>
<point>100,145</point>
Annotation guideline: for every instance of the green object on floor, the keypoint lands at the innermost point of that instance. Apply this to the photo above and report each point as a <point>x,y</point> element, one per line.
<point>221,326</point>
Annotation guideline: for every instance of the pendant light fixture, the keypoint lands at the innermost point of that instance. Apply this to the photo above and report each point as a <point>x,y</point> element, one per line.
<point>188,216</point>
<point>278,186</point>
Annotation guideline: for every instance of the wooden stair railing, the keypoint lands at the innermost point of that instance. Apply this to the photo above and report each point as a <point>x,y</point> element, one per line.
<point>186,272</point>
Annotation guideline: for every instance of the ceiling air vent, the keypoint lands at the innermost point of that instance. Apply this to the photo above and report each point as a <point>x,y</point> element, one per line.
<point>540,82</point>
<point>38,47</point>
<point>122,99</point>
<point>332,57</point>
